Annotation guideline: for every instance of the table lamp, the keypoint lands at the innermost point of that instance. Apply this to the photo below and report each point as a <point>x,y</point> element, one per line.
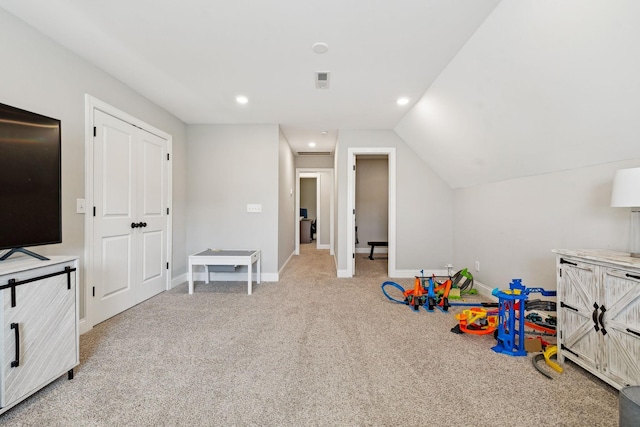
<point>626,193</point>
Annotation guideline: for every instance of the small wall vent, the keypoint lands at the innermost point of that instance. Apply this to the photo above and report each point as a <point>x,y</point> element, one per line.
<point>314,153</point>
<point>322,79</point>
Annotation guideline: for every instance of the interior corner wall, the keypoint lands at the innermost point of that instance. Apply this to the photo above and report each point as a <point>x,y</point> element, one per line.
<point>41,76</point>
<point>231,166</point>
<point>324,221</point>
<point>424,204</point>
<point>511,227</point>
<point>286,202</point>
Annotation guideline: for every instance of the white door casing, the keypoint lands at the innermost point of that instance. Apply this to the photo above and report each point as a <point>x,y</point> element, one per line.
<point>128,183</point>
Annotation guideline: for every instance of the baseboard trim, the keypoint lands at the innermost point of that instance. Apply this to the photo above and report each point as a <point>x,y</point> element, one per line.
<point>484,290</point>
<point>84,326</point>
<point>286,263</point>
<point>344,274</point>
<point>178,280</point>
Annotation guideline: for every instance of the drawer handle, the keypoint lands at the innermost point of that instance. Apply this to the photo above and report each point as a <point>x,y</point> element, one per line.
<point>16,362</point>
<point>562,304</point>
<point>632,276</point>
<point>563,261</point>
<point>594,317</point>
<point>600,318</point>
<point>633,332</point>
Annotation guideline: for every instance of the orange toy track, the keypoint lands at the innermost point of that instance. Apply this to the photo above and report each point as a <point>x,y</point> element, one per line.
<point>478,321</point>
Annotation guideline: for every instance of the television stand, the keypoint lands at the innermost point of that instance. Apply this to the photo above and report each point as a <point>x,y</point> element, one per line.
<point>24,251</point>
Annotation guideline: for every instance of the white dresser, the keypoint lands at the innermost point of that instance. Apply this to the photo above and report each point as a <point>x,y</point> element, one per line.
<point>599,313</point>
<point>39,314</point>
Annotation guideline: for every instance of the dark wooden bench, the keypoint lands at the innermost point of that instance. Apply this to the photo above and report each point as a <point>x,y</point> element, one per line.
<point>374,244</point>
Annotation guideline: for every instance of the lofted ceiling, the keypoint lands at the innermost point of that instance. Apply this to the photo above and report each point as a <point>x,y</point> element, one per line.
<point>194,57</point>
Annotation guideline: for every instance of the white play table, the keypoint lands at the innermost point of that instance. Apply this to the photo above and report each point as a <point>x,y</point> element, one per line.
<point>231,257</point>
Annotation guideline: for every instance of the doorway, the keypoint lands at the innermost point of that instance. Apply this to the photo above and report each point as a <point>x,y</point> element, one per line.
<point>379,153</point>
<point>372,214</point>
<point>127,225</point>
<point>323,213</point>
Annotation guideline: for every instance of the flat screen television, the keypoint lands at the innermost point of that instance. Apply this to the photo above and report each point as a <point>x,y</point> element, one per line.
<point>30,181</point>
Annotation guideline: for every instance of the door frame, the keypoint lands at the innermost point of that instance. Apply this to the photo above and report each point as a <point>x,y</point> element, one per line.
<point>92,104</point>
<point>352,152</point>
<point>314,173</point>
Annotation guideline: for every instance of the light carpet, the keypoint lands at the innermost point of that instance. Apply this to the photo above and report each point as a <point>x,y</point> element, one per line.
<point>309,350</point>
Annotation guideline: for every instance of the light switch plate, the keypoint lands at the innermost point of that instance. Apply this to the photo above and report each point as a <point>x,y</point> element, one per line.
<point>80,206</point>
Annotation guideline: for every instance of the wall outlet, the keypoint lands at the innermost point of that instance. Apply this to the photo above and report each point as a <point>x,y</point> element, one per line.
<point>477,265</point>
<point>254,208</point>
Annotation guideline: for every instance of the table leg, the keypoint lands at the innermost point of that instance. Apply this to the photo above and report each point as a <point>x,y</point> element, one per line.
<point>190,278</point>
<point>258,272</point>
<point>206,269</point>
<point>249,268</point>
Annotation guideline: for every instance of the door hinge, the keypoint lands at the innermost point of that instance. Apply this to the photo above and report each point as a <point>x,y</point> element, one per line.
<point>94,211</point>
<point>354,211</point>
<point>94,291</point>
<point>95,131</point>
<point>167,211</point>
<point>354,256</point>
<point>354,167</point>
<point>167,266</point>
<point>167,156</point>
<point>560,272</point>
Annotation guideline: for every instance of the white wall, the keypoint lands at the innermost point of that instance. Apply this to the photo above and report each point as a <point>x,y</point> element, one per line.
<point>324,220</point>
<point>512,226</point>
<point>231,166</point>
<point>286,200</point>
<point>424,214</point>
<point>314,162</point>
<point>41,76</point>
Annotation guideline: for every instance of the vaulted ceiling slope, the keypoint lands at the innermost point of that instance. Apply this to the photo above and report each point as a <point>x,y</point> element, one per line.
<point>542,86</point>
<point>193,57</point>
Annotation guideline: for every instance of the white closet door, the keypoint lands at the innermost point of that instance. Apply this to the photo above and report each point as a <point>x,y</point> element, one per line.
<point>130,194</point>
<point>115,198</point>
<point>152,212</point>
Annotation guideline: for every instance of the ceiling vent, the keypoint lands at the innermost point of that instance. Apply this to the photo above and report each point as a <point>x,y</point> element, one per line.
<point>314,153</point>
<point>322,80</point>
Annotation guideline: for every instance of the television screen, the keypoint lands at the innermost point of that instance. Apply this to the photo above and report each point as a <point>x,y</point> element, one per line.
<point>30,179</point>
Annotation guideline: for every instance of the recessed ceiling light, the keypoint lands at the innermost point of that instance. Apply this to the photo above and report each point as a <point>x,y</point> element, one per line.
<point>320,47</point>
<point>402,101</point>
<point>241,99</point>
<point>324,132</point>
<point>312,144</point>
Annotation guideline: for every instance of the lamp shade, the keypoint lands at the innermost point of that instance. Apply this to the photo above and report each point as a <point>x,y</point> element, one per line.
<point>626,188</point>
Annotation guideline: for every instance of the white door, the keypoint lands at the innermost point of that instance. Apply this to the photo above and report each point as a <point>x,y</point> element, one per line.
<point>129,254</point>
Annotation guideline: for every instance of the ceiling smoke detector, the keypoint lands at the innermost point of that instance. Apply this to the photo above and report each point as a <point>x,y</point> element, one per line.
<point>320,47</point>
<point>322,80</point>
